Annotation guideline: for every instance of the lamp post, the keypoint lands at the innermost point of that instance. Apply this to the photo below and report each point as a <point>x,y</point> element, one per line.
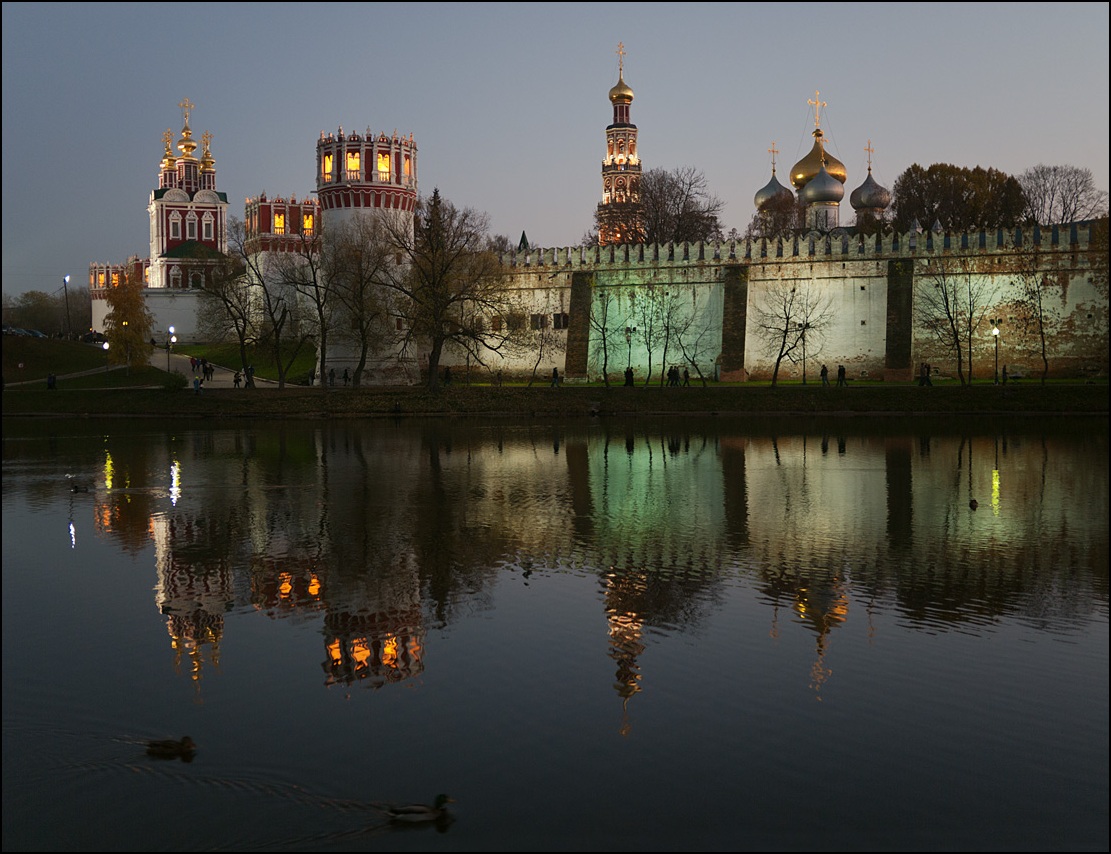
<point>995,334</point>
<point>106,346</point>
<point>127,348</point>
<point>629,344</point>
<point>65,287</point>
<point>170,341</point>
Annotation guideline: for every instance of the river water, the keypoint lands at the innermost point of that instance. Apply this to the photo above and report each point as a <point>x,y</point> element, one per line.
<point>676,634</point>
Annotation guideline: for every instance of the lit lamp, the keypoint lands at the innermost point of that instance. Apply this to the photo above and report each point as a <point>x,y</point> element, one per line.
<point>169,345</point>
<point>65,287</point>
<point>106,345</point>
<point>995,334</point>
<point>629,342</point>
<point>127,345</point>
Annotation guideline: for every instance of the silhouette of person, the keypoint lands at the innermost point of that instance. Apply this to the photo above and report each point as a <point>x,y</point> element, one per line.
<point>629,377</point>
<point>825,376</point>
<point>841,376</point>
<point>555,377</point>
<point>686,377</point>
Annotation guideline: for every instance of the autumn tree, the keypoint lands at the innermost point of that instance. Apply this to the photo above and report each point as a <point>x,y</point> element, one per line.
<point>451,288</point>
<point>787,315</point>
<point>951,302</point>
<point>1061,194</point>
<point>959,199</point>
<point>129,322</point>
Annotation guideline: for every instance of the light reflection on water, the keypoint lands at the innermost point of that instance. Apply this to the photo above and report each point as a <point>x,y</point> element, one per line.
<point>635,636</point>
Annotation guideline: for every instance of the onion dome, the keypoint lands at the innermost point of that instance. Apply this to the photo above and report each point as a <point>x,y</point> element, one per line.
<point>807,168</point>
<point>823,187</point>
<point>187,144</point>
<point>168,159</point>
<point>870,195</point>
<point>208,162</point>
<point>621,92</point>
<point>770,192</point>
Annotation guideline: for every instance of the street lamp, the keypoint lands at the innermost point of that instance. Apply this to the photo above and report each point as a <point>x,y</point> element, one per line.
<point>170,343</point>
<point>106,345</point>
<point>65,287</point>
<point>629,343</point>
<point>995,334</point>
<point>127,346</point>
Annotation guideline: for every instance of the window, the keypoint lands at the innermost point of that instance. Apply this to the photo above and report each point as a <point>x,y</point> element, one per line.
<point>206,227</point>
<point>175,227</point>
<point>100,279</point>
<point>279,223</point>
<point>191,227</point>
<point>326,168</point>
<point>408,166</point>
<point>353,165</point>
<point>306,223</point>
<point>400,323</point>
<point>115,280</point>
<point>384,167</point>
<point>516,321</point>
<point>175,277</point>
<point>560,320</point>
<point>540,321</point>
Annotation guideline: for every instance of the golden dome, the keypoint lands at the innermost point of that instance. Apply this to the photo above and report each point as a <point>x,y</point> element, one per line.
<point>621,92</point>
<point>805,170</point>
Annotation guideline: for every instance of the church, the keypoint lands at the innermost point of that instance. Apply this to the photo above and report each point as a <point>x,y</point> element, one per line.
<point>598,311</point>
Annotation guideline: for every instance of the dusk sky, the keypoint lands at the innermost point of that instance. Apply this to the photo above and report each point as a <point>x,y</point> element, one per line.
<point>508,103</point>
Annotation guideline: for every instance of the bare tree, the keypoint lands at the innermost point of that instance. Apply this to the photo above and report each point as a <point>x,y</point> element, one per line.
<point>451,286</point>
<point>678,206</point>
<point>695,331</point>
<point>951,302</point>
<point>543,342</point>
<point>226,308</point>
<point>359,254</point>
<point>786,315</point>
<point>302,270</point>
<point>604,329</point>
<point>1061,194</point>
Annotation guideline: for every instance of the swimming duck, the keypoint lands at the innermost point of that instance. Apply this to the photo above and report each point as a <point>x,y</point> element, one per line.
<point>418,812</point>
<point>973,503</point>
<point>170,748</point>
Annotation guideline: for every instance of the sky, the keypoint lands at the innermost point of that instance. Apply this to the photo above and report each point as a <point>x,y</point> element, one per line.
<point>508,103</point>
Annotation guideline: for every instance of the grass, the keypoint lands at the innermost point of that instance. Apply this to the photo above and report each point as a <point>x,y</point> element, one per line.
<point>261,357</point>
<point>148,391</point>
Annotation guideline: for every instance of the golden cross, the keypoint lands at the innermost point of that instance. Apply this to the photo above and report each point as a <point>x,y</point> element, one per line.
<point>773,151</point>
<point>620,58</point>
<point>187,106</point>
<point>206,138</point>
<point>870,151</point>
<point>168,138</point>
<point>817,105</point>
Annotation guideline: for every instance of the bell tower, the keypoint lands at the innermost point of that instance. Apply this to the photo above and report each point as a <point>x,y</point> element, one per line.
<point>619,217</point>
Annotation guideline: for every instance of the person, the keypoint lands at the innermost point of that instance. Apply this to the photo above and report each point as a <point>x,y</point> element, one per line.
<point>312,375</point>
<point>346,377</point>
<point>235,379</point>
<point>927,373</point>
<point>629,377</point>
<point>841,376</point>
<point>1004,375</point>
<point>196,384</point>
<point>555,377</point>
<point>825,376</point>
<point>250,376</point>
<point>52,381</point>
<point>332,376</point>
<point>686,377</point>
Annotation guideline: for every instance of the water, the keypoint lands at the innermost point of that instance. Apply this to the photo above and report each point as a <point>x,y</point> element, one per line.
<point>645,635</point>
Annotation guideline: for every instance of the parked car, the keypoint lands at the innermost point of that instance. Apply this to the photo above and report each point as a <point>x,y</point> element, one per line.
<point>93,338</point>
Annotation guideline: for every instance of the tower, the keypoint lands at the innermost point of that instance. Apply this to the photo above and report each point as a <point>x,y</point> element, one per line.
<point>827,175</point>
<point>870,200</point>
<point>618,216</point>
<point>188,215</point>
<point>364,172</point>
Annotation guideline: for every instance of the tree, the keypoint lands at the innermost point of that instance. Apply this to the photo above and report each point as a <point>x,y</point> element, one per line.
<point>1061,194</point>
<point>695,332</point>
<point>678,207</point>
<point>603,327</point>
<point>299,272</point>
<point>785,315</point>
<point>358,257</point>
<point>959,199</point>
<point>452,288</point>
<point>617,223</point>
<point>951,303</point>
<point>779,218</point>
<point>227,308</point>
<point>36,310</point>
<point>129,322</point>
<point>1033,311</point>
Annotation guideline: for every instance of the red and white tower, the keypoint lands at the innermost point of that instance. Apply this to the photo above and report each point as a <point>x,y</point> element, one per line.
<point>188,215</point>
<point>364,172</point>
<point>619,218</point>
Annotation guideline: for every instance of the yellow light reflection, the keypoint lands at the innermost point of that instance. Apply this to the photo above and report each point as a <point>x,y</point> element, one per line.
<point>72,536</point>
<point>175,482</point>
<point>109,469</point>
<point>995,492</point>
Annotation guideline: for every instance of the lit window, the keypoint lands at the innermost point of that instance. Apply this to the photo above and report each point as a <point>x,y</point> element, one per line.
<point>408,166</point>
<point>279,223</point>
<point>100,279</point>
<point>115,280</point>
<point>306,223</point>
<point>326,168</point>
<point>384,167</point>
<point>353,162</point>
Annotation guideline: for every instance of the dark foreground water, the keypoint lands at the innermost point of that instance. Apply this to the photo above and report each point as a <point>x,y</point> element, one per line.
<point>675,635</point>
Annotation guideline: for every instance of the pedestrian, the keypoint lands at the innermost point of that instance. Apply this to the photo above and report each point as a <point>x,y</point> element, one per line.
<point>686,377</point>
<point>312,375</point>
<point>825,376</point>
<point>196,384</point>
<point>555,377</point>
<point>346,377</point>
<point>250,376</point>
<point>841,376</point>
<point>235,379</point>
<point>629,377</point>
<point>929,371</point>
<point>1004,375</point>
<point>52,381</point>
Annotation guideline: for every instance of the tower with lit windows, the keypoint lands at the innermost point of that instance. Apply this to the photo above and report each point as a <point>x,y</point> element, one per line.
<point>188,215</point>
<point>618,216</point>
<point>364,172</point>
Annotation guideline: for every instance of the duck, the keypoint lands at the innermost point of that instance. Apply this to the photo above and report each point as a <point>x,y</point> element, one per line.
<point>973,503</point>
<point>408,813</point>
<point>170,748</point>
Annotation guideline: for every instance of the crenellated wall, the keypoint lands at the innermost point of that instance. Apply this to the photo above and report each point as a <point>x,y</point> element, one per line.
<point>869,284</point>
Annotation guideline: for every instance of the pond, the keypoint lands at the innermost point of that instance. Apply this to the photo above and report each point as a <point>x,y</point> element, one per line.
<point>675,634</point>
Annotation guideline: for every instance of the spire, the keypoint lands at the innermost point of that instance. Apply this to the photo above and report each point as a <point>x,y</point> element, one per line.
<point>186,143</point>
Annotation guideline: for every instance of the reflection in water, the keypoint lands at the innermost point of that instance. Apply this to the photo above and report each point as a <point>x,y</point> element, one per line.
<point>735,592</point>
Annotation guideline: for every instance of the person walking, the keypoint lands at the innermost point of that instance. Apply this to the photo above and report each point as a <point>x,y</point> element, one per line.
<point>825,376</point>
<point>346,377</point>
<point>686,377</point>
<point>629,377</point>
<point>555,377</point>
<point>235,379</point>
<point>841,381</point>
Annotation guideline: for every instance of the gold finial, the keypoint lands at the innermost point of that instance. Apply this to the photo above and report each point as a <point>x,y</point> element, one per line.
<point>817,105</point>
<point>773,151</point>
<point>870,150</point>
<point>168,140</point>
<point>620,58</point>
<point>206,141</point>
<point>186,105</point>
